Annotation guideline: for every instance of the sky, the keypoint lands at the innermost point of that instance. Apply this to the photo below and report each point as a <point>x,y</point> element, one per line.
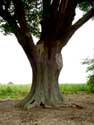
<point>15,67</point>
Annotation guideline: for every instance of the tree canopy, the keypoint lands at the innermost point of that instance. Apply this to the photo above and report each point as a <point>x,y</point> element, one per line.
<point>35,12</point>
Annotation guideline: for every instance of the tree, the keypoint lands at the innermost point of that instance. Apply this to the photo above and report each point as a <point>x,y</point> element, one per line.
<point>90,70</point>
<point>23,18</point>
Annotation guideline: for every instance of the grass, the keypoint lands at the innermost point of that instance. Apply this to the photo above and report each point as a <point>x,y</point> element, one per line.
<point>19,91</point>
<point>13,90</point>
<point>71,88</point>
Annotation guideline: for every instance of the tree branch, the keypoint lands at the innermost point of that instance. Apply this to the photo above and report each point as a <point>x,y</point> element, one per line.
<point>21,15</point>
<point>80,1</point>
<point>54,7</point>
<point>46,8</point>
<point>66,16</point>
<point>83,20</point>
<point>63,6</point>
<point>73,28</point>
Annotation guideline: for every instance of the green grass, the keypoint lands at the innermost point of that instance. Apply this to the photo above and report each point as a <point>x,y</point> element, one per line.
<point>19,91</point>
<point>71,88</point>
<point>13,90</point>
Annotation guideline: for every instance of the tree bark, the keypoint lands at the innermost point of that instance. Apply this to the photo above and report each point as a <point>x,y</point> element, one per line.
<point>46,69</point>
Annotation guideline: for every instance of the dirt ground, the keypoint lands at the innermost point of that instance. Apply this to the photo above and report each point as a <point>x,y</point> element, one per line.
<point>78,109</point>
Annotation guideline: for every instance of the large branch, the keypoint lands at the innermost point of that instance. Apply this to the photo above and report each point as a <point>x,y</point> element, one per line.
<point>73,28</point>
<point>55,7</point>
<point>80,1</point>
<point>84,19</point>
<point>46,8</point>
<point>66,16</point>
<point>63,6</point>
<point>21,15</point>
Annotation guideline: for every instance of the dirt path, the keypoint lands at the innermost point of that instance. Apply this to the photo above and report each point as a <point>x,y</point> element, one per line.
<point>78,111</point>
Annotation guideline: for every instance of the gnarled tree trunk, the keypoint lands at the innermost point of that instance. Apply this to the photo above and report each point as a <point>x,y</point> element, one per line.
<point>46,69</point>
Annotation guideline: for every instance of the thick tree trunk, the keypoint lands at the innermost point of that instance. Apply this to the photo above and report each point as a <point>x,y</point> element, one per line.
<point>45,88</point>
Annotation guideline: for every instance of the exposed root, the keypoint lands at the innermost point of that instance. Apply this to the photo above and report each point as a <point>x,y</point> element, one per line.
<point>59,106</point>
<point>62,106</point>
<point>36,103</point>
<point>29,106</point>
<point>77,106</point>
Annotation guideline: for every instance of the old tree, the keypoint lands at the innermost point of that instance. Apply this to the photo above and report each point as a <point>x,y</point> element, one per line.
<point>51,21</point>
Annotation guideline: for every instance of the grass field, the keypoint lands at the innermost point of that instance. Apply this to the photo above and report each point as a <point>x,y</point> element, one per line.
<point>13,90</point>
<point>71,88</point>
<point>19,91</point>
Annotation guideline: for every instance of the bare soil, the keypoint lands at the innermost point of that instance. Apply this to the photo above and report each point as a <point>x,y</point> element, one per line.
<point>78,109</point>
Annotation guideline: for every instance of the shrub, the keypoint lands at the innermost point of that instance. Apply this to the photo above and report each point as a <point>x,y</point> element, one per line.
<point>90,83</point>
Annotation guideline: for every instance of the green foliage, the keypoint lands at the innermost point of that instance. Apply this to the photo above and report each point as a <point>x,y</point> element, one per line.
<point>34,13</point>
<point>85,6</point>
<point>90,70</point>
<point>90,83</point>
<point>90,65</point>
<point>5,28</point>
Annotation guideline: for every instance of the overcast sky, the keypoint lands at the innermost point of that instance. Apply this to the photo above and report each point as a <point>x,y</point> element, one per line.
<point>14,65</point>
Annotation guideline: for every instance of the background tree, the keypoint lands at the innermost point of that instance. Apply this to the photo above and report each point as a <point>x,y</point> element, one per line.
<point>90,70</point>
<point>24,18</point>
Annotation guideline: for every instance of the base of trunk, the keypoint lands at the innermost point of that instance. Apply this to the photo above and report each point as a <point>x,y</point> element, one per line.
<point>40,97</point>
<point>37,101</point>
